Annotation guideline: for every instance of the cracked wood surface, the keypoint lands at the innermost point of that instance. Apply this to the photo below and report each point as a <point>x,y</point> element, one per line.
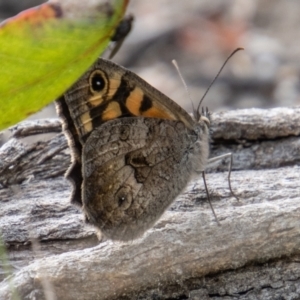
<point>254,254</point>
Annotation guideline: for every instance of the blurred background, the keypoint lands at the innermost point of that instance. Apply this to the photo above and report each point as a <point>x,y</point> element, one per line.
<point>200,34</point>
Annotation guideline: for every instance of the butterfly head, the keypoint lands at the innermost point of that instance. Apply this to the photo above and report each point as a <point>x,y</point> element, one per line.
<point>202,117</point>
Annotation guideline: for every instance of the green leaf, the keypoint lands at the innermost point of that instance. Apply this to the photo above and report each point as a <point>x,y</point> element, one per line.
<point>45,49</point>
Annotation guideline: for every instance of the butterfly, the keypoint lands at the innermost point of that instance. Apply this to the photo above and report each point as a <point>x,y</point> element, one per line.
<point>133,149</point>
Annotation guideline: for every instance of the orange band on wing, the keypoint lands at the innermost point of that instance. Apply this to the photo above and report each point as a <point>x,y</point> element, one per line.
<point>114,84</point>
<point>113,111</point>
<point>156,112</point>
<point>86,123</point>
<point>95,100</point>
<point>134,103</point>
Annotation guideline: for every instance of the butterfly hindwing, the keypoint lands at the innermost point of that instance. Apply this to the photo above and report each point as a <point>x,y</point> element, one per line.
<point>133,169</point>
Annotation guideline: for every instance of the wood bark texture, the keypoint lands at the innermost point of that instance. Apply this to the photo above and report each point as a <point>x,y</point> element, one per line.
<point>254,253</point>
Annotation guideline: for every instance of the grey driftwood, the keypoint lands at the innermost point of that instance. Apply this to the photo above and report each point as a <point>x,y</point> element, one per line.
<point>252,254</point>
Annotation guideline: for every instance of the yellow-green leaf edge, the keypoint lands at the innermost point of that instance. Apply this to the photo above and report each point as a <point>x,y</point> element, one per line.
<point>38,65</point>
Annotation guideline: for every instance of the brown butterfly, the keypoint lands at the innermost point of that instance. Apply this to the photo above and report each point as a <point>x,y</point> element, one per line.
<point>133,149</point>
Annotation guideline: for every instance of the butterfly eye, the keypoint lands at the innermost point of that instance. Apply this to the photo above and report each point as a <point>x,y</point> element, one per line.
<point>97,82</point>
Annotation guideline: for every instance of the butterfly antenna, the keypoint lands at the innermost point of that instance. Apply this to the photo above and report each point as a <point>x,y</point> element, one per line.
<point>224,64</point>
<point>174,62</point>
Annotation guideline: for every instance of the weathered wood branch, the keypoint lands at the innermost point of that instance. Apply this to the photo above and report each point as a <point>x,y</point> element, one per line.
<point>187,253</point>
<point>255,123</point>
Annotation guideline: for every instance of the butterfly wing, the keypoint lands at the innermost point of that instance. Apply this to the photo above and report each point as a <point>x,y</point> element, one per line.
<point>106,92</point>
<point>133,169</point>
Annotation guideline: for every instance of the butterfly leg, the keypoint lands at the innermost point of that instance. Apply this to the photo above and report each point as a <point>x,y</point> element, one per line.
<point>220,157</point>
<point>208,198</point>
